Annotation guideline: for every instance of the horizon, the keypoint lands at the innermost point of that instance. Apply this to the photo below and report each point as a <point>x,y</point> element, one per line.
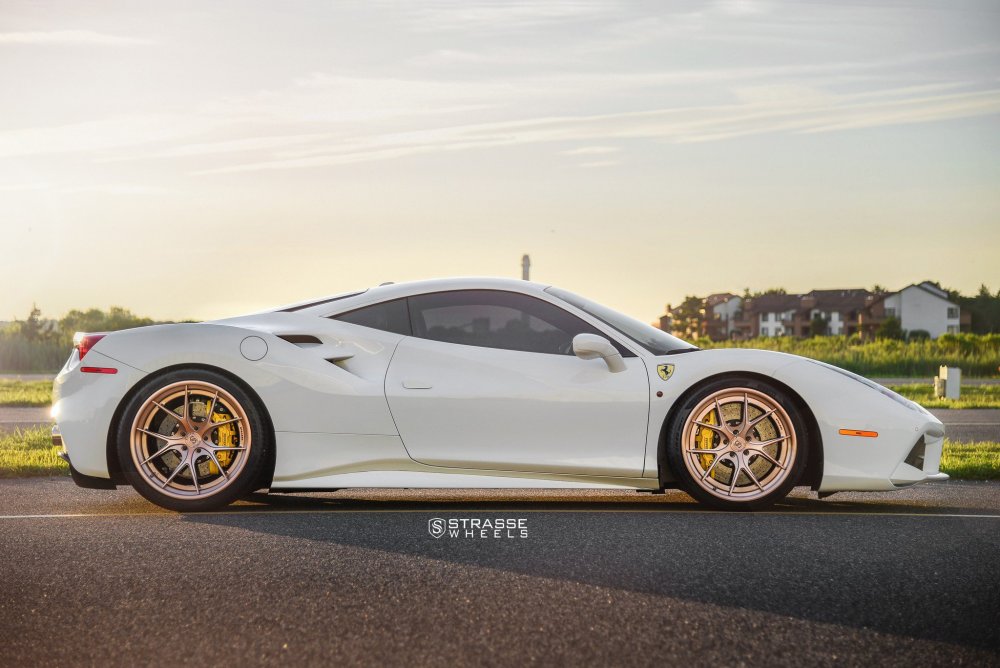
<point>202,161</point>
<point>47,316</point>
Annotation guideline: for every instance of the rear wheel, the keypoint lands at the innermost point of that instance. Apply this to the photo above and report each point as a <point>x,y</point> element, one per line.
<point>192,440</point>
<point>737,444</point>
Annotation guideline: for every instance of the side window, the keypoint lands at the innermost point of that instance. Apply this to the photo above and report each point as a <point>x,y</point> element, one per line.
<point>388,316</point>
<point>497,319</point>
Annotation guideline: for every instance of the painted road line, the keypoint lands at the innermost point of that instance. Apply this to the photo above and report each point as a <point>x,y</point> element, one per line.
<point>482,511</point>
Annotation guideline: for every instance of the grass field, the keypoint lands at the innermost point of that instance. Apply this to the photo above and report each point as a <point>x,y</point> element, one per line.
<point>30,453</point>
<point>971,461</point>
<point>972,396</point>
<point>978,356</point>
<point>25,392</point>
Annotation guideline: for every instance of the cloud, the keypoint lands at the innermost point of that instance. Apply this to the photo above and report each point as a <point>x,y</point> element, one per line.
<point>322,119</point>
<point>23,187</point>
<point>71,38</point>
<point>808,114</point>
<point>95,136</point>
<point>462,15</point>
<point>114,189</point>
<point>600,163</point>
<point>592,150</point>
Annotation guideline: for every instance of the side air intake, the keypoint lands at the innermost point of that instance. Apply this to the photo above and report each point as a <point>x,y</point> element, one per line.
<point>916,456</point>
<point>301,339</point>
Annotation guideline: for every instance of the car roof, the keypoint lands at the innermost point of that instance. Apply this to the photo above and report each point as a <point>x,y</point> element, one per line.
<point>386,291</point>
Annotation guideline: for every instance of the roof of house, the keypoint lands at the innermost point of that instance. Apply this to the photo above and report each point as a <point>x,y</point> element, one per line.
<point>774,303</point>
<point>926,286</point>
<point>719,298</point>
<point>841,300</point>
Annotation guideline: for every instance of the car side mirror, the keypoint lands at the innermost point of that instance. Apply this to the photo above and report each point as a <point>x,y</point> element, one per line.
<point>592,347</point>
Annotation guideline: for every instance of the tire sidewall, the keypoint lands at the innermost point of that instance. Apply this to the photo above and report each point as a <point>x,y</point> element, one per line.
<point>248,476</point>
<point>674,454</point>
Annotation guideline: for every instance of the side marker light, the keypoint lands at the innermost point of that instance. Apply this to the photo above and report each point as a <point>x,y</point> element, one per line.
<point>859,432</point>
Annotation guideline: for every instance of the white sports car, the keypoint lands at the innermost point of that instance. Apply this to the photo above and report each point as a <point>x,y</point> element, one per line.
<point>470,383</point>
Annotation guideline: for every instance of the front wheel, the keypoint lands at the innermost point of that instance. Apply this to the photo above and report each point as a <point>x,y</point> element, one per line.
<point>737,444</point>
<point>192,440</point>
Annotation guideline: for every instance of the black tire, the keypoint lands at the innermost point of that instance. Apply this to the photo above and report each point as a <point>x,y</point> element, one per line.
<point>253,436</point>
<point>737,455</point>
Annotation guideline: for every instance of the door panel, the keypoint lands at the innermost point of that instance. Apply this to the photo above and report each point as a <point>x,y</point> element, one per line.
<point>484,408</point>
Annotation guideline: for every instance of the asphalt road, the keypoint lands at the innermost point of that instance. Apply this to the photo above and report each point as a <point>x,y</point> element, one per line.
<point>97,577</point>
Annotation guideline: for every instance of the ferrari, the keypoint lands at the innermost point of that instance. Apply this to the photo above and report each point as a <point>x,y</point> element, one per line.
<point>470,383</point>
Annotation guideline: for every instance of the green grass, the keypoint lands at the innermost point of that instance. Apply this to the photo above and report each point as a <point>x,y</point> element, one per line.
<point>971,461</point>
<point>29,453</point>
<point>978,356</point>
<point>25,392</point>
<point>972,396</point>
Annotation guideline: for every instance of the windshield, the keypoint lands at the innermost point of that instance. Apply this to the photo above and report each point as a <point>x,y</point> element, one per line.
<point>652,339</point>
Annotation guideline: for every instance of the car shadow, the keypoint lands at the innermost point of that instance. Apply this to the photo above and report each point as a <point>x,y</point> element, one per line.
<point>887,566</point>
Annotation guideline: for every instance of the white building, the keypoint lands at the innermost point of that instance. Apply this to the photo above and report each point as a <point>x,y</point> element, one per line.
<point>722,311</point>
<point>923,307</point>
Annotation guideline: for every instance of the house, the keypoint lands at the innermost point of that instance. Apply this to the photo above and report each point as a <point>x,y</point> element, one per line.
<point>772,315</point>
<point>841,312</point>
<point>721,313</point>
<point>840,309</point>
<point>919,307</point>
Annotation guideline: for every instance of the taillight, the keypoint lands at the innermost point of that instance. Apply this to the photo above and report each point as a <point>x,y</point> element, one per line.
<point>83,342</point>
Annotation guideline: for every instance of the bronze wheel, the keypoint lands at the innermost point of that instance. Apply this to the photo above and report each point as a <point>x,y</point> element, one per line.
<point>737,445</point>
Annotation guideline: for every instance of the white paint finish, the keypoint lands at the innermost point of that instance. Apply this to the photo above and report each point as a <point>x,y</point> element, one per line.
<point>501,418</point>
<point>302,391</point>
<point>311,456</point>
<point>459,479</point>
<point>510,410</point>
<point>253,348</point>
<point>83,405</point>
<point>933,449</point>
<point>840,402</point>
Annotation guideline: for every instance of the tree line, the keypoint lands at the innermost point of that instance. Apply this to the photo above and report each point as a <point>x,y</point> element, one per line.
<point>42,345</point>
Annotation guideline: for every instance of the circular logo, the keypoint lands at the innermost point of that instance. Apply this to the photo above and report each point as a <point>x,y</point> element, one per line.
<point>739,444</point>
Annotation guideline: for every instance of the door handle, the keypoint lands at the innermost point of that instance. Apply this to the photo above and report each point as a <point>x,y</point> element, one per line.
<point>416,385</point>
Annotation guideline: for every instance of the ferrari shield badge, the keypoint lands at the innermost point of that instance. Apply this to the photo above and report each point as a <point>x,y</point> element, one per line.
<point>665,371</point>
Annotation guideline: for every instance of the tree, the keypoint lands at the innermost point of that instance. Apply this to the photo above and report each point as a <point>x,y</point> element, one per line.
<point>687,318</point>
<point>31,329</point>
<point>96,320</point>
<point>890,329</point>
<point>818,326</point>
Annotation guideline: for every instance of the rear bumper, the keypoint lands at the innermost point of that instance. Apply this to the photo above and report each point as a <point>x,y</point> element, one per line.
<point>86,481</point>
<point>84,406</point>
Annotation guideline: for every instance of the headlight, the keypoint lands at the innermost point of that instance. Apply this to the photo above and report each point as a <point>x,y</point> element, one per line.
<point>912,405</point>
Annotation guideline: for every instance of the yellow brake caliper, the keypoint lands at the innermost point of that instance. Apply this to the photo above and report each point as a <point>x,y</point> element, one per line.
<point>705,437</point>
<point>225,437</point>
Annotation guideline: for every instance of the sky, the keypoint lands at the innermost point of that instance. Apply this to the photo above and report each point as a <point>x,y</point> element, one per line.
<point>206,159</point>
